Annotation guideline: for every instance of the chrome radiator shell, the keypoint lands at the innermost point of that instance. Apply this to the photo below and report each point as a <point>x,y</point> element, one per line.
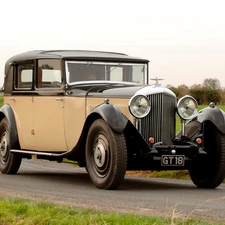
<point>161,121</point>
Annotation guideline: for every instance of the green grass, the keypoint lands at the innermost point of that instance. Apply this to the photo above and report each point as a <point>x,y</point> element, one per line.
<point>25,212</point>
<point>172,174</point>
<point>1,100</point>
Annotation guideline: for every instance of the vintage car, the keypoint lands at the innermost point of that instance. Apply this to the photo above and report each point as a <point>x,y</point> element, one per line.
<point>98,109</point>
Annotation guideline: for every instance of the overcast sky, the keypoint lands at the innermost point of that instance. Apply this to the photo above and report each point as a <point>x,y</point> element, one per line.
<point>184,40</point>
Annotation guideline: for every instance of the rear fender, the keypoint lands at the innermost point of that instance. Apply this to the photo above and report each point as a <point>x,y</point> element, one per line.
<point>6,111</point>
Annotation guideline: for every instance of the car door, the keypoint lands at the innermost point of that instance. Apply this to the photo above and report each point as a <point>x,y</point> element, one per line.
<point>21,102</point>
<point>49,108</point>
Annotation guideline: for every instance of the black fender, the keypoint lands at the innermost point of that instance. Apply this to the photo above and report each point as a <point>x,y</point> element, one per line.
<point>215,115</point>
<point>6,111</point>
<point>112,115</point>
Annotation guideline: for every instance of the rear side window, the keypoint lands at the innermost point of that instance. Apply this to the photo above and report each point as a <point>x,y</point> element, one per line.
<point>24,76</point>
<point>49,74</point>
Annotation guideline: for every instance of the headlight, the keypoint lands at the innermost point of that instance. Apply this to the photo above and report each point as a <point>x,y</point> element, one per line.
<point>139,106</point>
<point>187,107</point>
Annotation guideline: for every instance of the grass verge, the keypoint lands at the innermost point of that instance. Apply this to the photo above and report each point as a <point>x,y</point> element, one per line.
<point>173,174</point>
<point>27,212</point>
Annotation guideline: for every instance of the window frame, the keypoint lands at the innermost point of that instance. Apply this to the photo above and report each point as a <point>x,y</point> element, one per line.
<point>38,82</point>
<point>107,64</point>
<point>18,75</point>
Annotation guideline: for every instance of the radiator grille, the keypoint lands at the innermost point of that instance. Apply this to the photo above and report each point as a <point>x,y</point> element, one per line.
<point>160,123</point>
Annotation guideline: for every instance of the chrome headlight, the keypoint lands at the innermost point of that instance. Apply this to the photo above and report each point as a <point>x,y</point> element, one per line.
<point>139,106</point>
<point>187,107</point>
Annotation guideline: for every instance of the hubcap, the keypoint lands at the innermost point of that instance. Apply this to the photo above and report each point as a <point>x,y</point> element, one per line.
<point>101,155</point>
<point>3,145</point>
<point>4,148</point>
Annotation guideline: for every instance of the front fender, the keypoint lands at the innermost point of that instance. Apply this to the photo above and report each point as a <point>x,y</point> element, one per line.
<point>215,115</point>
<point>6,111</point>
<point>112,115</point>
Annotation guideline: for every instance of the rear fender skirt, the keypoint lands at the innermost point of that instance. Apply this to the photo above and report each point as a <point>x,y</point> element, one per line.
<point>6,111</point>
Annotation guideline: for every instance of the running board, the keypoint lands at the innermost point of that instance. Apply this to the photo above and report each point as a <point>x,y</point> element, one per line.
<point>38,153</point>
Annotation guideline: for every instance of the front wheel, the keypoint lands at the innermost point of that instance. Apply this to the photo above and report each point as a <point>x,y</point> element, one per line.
<point>9,162</point>
<point>106,155</point>
<point>209,172</point>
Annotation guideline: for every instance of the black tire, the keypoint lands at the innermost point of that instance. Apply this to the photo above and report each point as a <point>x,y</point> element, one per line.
<point>106,155</point>
<point>9,162</point>
<point>209,172</point>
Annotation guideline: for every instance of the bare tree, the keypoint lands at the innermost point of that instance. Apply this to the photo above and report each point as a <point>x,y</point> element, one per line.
<point>211,83</point>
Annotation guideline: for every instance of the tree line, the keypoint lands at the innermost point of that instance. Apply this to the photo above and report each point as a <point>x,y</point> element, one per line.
<point>209,91</point>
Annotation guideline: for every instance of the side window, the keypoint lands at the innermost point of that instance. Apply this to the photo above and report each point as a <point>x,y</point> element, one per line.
<point>24,76</point>
<point>49,74</point>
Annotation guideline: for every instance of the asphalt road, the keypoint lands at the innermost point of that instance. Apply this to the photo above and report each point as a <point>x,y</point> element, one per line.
<point>65,184</point>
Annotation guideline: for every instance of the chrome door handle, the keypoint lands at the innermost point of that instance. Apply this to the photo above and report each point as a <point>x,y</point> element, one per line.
<point>59,99</point>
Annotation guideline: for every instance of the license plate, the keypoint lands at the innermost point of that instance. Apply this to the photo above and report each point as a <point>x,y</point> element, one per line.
<point>172,160</point>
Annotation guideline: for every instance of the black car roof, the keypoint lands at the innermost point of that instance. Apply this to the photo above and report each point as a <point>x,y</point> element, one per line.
<point>75,54</point>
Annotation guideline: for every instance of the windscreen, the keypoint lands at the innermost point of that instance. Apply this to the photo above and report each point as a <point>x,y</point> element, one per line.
<point>106,71</point>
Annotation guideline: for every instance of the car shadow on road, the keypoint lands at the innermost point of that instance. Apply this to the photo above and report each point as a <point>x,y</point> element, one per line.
<point>59,178</point>
<point>141,183</point>
<point>66,174</point>
<point>131,183</point>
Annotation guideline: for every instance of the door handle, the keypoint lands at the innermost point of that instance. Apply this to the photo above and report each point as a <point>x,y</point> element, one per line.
<point>59,99</point>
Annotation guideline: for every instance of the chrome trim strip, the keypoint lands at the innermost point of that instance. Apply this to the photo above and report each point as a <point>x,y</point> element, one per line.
<point>38,153</point>
<point>155,89</point>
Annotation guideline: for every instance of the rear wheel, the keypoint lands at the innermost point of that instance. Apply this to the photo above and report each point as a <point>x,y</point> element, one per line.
<point>210,171</point>
<point>9,162</point>
<point>106,155</point>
